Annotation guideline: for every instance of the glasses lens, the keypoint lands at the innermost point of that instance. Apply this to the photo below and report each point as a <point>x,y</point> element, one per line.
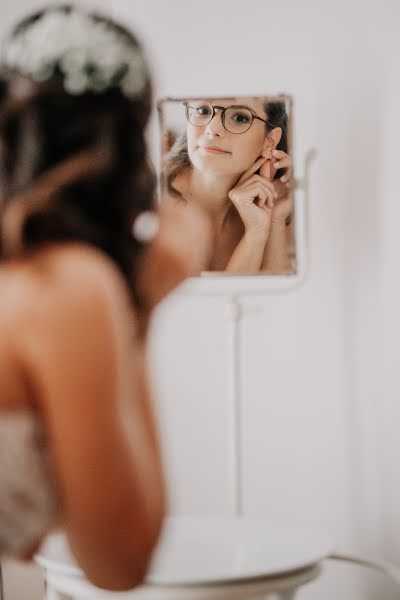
<point>199,113</point>
<point>237,119</point>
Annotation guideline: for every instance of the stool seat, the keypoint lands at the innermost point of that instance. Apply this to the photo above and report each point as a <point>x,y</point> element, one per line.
<point>205,558</point>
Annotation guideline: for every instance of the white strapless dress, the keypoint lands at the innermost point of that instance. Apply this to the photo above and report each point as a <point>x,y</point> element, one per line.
<point>28,504</point>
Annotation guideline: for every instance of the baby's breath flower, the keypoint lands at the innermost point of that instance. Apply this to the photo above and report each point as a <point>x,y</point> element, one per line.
<point>89,54</point>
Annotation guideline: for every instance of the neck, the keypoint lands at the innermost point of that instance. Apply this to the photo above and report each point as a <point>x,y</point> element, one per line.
<point>210,191</point>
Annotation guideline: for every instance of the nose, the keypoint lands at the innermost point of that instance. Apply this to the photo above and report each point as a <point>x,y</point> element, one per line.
<point>215,127</point>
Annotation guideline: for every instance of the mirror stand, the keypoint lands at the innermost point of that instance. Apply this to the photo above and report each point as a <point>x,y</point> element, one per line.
<point>236,311</point>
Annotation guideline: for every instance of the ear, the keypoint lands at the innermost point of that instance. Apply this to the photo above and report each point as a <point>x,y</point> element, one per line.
<point>272,139</point>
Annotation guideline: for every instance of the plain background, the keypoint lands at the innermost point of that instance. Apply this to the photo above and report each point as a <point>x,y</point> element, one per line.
<point>320,365</point>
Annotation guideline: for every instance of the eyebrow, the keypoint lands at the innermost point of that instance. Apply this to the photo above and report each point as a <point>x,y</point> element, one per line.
<point>215,100</point>
<point>211,101</point>
<point>252,110</point>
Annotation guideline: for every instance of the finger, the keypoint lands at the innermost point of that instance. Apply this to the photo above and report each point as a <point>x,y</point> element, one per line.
<point>280,154</point>
<point>283,163</point>
<point>270,200</point>
<point>252,187</point>
<point>266,196</point>
<point>254,167</point>
<point>267,210</point>
<point>255,192</point>
<point>281,189</point>
<point>286,177</point>
<point>265,170</point>
<point>262,197</point>
<point>289,185</point>
<point>269,184</point>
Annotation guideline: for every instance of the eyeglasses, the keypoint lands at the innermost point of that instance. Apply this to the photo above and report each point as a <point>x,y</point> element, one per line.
<point>235,118</point>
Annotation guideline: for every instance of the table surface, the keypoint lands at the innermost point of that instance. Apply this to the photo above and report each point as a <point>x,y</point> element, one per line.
<point>203,550</point>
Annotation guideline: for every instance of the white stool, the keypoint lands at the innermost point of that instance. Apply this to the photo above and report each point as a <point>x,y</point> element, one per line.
<point>204,558</point>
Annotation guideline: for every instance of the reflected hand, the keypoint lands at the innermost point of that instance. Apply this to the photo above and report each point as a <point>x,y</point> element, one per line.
<point>283,206</point>
<point>253,197</point>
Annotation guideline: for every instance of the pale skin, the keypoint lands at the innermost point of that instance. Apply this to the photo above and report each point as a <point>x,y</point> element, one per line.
<point>248,209</point>
<point>73,350</point>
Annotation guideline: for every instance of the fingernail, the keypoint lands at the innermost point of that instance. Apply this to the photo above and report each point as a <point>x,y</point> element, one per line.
<point>283,178</point>
<point>275,152</point>
<point>276,165</point>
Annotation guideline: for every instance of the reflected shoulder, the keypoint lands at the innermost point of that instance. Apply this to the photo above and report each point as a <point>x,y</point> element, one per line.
<point>179,185</point>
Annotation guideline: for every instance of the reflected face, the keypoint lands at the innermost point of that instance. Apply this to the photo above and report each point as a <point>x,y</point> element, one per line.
<point>212,148</point>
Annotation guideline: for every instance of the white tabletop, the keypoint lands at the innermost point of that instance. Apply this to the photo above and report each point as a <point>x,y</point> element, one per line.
<point>204,550</point>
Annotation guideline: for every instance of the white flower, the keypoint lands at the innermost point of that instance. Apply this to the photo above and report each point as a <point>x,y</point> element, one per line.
<point>90,54</point>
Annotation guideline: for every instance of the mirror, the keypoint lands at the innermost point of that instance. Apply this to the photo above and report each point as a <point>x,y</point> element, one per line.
<point>232,157</point>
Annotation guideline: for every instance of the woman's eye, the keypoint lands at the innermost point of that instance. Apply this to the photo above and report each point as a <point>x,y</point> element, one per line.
<point>203,110</point>
<point>241,118</point>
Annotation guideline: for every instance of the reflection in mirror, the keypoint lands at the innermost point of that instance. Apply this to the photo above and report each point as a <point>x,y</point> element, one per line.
<point>232,158</point>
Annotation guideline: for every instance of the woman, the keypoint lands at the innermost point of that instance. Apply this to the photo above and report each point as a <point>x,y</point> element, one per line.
<point>233,163</point>
<point>78,443</point>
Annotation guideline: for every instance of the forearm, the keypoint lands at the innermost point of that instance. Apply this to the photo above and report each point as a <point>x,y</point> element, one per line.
<point>114,551</point>
<point>277,257</point>
<point>146,401</point>
<point>248,255</point>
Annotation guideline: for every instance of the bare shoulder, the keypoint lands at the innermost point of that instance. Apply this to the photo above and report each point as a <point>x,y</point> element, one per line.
<point>59,284</point>
<point>77,269</point>
<point>58,299</point>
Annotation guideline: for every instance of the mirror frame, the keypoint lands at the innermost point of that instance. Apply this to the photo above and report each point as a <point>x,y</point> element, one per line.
<point>216,283</point>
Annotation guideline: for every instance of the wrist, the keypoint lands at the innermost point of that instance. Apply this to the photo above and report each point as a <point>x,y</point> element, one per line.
<point>257,236</point>
<point>278,224</point>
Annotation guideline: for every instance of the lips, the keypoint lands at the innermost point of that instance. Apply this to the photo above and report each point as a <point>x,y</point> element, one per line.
<point>215,149</point>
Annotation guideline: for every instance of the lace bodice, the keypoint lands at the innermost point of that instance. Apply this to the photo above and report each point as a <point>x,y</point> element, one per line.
<point>27,497</point>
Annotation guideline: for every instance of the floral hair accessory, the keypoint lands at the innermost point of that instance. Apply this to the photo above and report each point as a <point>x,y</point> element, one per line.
<point>89,53</point>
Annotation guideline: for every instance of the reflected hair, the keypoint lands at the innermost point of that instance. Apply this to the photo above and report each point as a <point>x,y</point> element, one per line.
<point>73,167</point>
<point>177,158</point>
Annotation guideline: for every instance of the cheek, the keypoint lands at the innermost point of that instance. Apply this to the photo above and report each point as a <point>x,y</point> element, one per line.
<point>249,149</point>
<point>192,139</point>
<point>193,135</point>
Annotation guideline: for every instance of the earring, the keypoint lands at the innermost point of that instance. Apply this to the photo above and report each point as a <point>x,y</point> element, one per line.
<point>146,226</point>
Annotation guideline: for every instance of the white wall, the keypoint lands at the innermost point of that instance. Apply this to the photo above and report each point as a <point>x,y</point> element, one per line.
<point>319,367</point>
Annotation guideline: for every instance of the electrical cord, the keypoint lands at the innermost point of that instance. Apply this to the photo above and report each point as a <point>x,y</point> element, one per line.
<point>389,569</point>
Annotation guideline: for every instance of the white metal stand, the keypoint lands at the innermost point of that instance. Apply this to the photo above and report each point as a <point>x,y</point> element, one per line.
<point>236,313</point>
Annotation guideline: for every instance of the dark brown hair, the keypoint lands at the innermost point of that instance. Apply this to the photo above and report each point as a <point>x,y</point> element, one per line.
<point>178,156</point>
<point>72,167</point>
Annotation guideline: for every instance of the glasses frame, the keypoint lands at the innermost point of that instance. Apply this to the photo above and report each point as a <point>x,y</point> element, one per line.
<point>223,111</point>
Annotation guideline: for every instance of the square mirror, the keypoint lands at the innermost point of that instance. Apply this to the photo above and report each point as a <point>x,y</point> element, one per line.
<point>232,157</point>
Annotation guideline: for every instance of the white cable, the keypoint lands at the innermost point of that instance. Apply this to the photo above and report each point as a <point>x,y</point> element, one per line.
<point>389,569</point>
